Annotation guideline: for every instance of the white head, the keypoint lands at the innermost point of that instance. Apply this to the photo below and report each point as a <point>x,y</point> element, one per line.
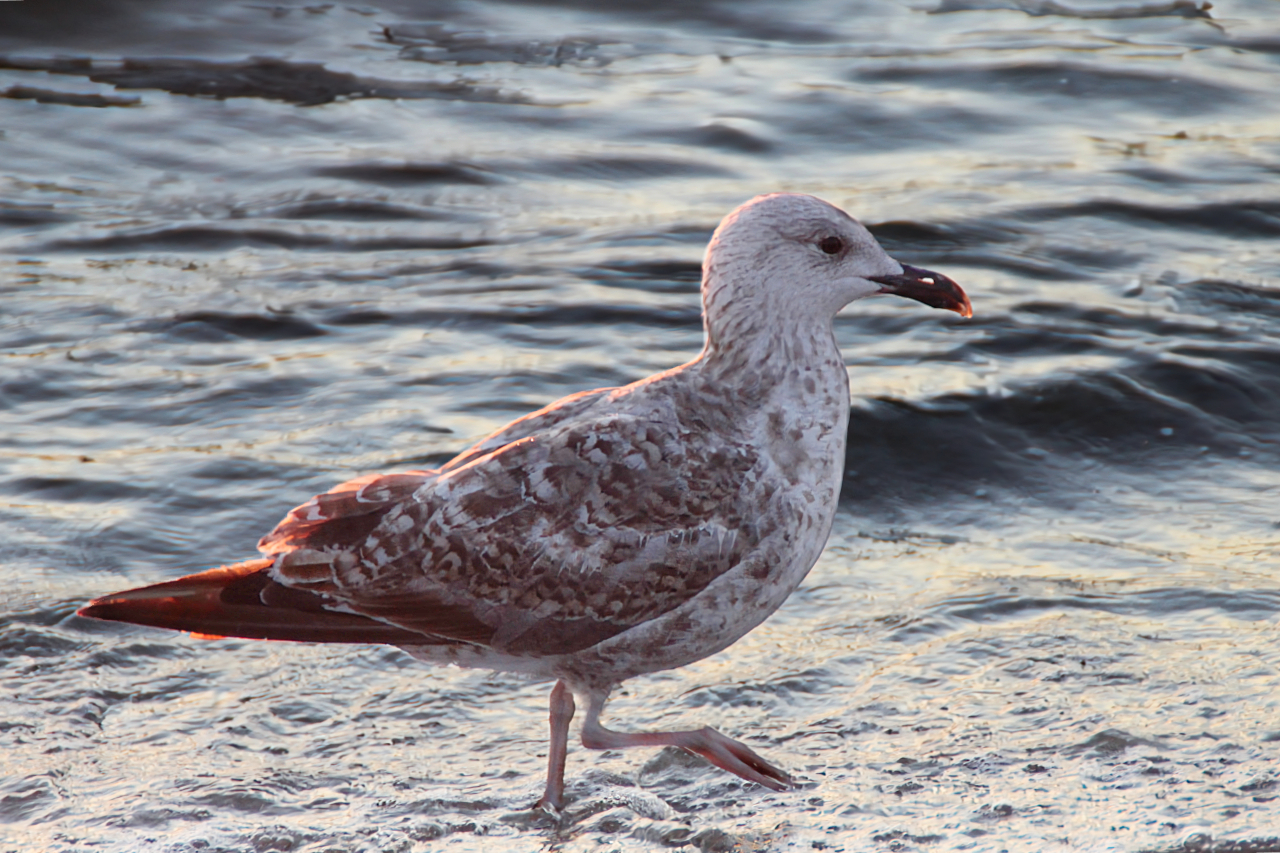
<point>790,258</point>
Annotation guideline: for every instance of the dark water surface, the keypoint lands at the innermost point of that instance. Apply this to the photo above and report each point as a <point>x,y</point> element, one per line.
<point>248,250</point>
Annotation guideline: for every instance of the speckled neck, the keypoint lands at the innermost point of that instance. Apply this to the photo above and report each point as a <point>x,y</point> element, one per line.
<point>761,348</point>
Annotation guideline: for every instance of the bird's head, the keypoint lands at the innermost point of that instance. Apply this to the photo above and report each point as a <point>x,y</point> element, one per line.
<point>788,254</point>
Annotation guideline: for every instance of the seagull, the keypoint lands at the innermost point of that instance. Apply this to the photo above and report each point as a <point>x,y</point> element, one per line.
<point>613,533</point>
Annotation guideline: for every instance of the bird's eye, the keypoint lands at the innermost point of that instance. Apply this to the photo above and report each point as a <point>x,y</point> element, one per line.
<point>831,245</point>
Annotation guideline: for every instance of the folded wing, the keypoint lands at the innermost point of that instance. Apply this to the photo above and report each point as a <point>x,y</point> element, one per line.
<point>550,543</point>
<point>241,600</point>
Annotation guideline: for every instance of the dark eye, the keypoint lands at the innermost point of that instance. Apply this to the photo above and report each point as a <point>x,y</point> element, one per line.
<point>831,245</point>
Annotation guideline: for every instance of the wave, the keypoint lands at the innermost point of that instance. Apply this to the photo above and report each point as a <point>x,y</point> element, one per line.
<point>1207,392</point>
<point>306,84</point>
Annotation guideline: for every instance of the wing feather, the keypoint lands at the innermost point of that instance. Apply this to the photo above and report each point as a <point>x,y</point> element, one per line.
<point>242,600</point>
<point>548,543</point>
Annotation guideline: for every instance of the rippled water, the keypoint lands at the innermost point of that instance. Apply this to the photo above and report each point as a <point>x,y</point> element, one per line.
<point>249,250</point>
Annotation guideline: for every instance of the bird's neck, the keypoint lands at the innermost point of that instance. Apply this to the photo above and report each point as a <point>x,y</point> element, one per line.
<point>772,362</point>
<point>762,326</point>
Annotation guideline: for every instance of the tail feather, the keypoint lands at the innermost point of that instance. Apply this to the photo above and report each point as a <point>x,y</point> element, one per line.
<point>242,600</point>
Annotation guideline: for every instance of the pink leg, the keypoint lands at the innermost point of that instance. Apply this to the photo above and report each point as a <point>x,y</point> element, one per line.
<point>723,752</point>
<point>561,713</point>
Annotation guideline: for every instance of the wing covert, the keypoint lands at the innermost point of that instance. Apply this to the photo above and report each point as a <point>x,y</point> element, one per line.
<point>549,543</point>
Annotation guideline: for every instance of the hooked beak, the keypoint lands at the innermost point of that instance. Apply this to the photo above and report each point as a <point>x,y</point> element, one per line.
<point>933,289</point>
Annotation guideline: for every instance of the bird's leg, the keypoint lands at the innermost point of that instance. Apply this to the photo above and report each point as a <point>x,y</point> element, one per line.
<point>723,752</point>
<point>562,708</point>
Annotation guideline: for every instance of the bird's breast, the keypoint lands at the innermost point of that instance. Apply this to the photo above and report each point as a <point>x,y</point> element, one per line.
<point>806,424</point>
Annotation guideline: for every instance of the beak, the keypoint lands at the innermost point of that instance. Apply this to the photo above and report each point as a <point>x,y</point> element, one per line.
<point>931,288</point>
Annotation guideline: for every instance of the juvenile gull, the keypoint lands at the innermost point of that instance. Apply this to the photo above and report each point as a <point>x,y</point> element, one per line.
<point>615,532</point>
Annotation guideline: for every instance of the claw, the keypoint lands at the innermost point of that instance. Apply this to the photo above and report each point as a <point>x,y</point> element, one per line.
<point>739,759</point>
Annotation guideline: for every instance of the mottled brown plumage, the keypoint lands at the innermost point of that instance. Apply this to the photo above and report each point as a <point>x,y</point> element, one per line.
<point>603,522</point>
